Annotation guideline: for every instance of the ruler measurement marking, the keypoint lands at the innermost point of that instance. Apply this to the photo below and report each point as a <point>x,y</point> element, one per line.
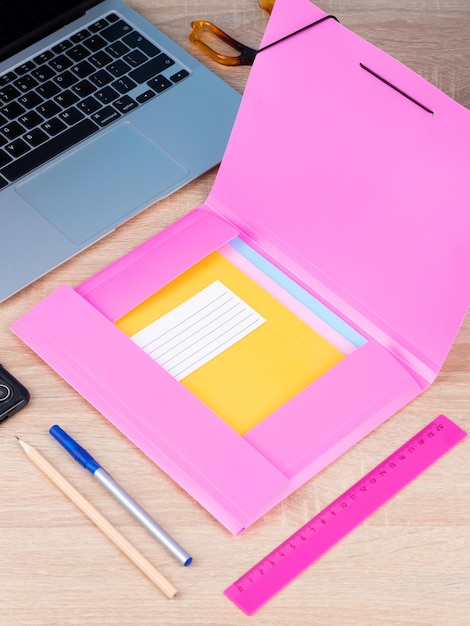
<point>337,519</point>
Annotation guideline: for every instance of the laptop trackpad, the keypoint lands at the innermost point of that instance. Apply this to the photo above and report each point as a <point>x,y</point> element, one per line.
<point>101,184</point>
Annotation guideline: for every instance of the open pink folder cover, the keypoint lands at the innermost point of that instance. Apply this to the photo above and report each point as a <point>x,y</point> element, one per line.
<point>351,175</point>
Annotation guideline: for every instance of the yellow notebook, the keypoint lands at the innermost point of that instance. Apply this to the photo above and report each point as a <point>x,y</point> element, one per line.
<point>257,374</point>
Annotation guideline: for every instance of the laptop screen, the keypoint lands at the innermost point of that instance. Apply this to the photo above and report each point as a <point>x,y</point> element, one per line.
<point>24,21</point>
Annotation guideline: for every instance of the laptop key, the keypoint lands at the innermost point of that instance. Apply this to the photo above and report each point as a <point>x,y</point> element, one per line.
<point>16,148</point>
<point>53,126</point>
<point>61,62</point>
<point>62,46</point>
<point>151,68</point>
<point>7,78</point>
<point>116,31</point>
<point>125,104</point>
<point>101,78</point>
<point>12,130</point>
<point>8,93</point>
<point>134,40</point>
<point>30,100</point>
<point>124,84</point>
<point>43,73</point>
<point>106,95</point>
<point>107,115</point>
<point>4,158</point>
<point>43,57</point>
<point>25,83</point>
<point>159,84</point>
<point>66,99</point>
<point>84,88</point>
<point>48,90</point>
<point>12,110</point>
<point>3,182</point>
<point>145,96</point>
<point>100,59</point>
<point>117,49</point>
<point>135,58</point>
<point>99,25</point>
<point>89,105</point>
<point>49,150</point>
<point>71,116</point>
<point>35,137</point>
<point>179,76</point>
<point>83,69</point>
<point>48,109</point>
<point>94,43</point>
<point>66,79</point>
<point>80,36</point>
<point>30,119</point>
<point>78,53</point>
<point>118,68</point>
<point>25,68</point>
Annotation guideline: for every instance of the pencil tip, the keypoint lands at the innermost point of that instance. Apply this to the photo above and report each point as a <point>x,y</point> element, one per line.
<point>22,443</point>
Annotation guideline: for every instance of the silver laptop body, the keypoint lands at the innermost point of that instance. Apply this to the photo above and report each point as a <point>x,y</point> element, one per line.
<point>145,122</point>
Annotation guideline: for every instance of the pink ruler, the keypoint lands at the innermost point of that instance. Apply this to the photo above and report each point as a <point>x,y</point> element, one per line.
<point>324,530</point>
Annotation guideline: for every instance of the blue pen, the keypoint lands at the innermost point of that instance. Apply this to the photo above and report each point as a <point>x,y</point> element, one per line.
<point>88,462</point>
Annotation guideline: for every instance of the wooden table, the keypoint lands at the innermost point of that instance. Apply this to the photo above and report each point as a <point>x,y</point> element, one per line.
<point>407,564</point>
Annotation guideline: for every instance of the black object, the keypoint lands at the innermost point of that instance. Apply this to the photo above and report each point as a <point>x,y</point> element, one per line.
<point>13,395</point>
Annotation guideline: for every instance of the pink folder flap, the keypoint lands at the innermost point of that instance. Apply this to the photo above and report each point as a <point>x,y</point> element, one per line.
<point>137,275</point>
<point>318,424</point>
<point>356,187</point>
<point>153,409</point>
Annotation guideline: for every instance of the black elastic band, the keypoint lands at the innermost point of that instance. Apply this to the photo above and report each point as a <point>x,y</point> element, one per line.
<point>326,17</point>
<point>400,91</point>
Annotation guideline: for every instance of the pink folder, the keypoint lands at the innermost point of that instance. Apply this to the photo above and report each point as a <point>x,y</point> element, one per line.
<point>350,173</point>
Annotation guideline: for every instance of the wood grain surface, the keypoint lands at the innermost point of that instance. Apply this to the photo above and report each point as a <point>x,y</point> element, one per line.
<point>408,564</point>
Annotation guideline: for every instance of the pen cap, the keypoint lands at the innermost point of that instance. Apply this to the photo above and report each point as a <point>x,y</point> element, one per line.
<point>74,449</point>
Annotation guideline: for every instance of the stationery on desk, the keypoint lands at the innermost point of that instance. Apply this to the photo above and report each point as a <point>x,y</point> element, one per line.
<point>97,518</point>
<point>85,459</point>
<point>337,225</point>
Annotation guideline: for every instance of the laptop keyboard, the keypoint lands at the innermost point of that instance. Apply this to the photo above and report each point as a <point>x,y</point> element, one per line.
<point>75,88</point>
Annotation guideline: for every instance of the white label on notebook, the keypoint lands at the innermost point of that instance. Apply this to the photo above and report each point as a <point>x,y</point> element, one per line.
<point>198,330</point>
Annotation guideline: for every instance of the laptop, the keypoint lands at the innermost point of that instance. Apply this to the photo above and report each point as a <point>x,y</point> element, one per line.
<point>101,115</point>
